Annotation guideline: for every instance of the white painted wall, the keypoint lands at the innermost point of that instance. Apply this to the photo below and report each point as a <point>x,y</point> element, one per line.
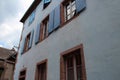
<point>98,28</point>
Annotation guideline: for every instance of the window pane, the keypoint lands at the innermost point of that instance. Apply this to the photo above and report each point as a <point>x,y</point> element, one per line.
<point>70,74</point>
<point>73,13</point>
<point>68,17</point>
<point>68,11</point>
<point>78,59</point>
<point>73,7</point>
<point>42,72</point>
<point>73,2</point>
<point>70,61</point>
<point>79,73</point>
<point>78,65</point>
<point>68,6</point>
<point>70,68</point>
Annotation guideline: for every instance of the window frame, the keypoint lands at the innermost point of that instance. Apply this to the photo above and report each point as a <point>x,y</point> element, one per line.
<point>27,41</point>
<point>63,72</point>
<point>44,31</point>
<point>70,8</point>
<point>62,13</point>
<point>23,74</point>
<point>39,65</point>
<point>64,10</point>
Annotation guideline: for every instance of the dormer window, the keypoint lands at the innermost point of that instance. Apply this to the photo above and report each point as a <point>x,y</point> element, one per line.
<point>32,17</point>
<point>46,3</point>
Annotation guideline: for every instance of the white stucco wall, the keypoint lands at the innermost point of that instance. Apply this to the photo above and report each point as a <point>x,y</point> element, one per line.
<point>97,28</point>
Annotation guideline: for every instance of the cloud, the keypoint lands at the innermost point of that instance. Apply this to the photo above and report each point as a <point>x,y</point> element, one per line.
<point>11,11</point>
<point>10,33</point>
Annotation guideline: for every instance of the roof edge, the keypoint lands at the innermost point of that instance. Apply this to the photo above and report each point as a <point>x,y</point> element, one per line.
<point>30,10</point>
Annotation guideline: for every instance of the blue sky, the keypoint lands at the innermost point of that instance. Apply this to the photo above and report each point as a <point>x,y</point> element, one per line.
<point>11,11</point>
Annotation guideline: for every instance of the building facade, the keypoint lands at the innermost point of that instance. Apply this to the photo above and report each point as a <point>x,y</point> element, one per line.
<point>7,63</point>
<point>70,40</point>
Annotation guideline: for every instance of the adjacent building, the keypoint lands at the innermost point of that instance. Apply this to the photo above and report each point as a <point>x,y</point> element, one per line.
<point>70,40</point>
<point>7,63</point>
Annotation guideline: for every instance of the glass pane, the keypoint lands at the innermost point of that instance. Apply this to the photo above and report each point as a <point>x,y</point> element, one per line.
<point>42,72</point>
<point>68,11</point>
<point>79,73</point>
<point>73,7</point>
<point>70,62</point>
<point>78,59</point>
<point>70,74</point>
<point>68,17</point>
<point>68,6</point>
<point>72,14</point>
<point>73,2</point>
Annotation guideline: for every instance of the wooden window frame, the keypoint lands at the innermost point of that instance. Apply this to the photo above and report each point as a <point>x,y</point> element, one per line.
<point>37,66</point>
<point>44,29</point>
<point>62,13</point>
<point>62,62</point>
<point>23,74</point>
<point>27,41</point>
<point>69,3</point>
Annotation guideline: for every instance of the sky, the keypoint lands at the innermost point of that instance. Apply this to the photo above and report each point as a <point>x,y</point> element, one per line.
<point>11,11</point>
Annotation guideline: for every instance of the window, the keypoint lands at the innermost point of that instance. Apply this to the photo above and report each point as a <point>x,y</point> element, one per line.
<point>44,28</point>
<point>46,3</point>
<point>70,9</point>
<point>27,41</point>
<point>22,75</point>
<point>31,18</point>
<point>72,64</point>
<point>41,71</point>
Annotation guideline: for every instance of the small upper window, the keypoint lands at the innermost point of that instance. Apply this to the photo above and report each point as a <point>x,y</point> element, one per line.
<point>27,41</point>
<point>44,29</point>
<point>32,17</point>
<point>70,9</point>
<point>46,3</point>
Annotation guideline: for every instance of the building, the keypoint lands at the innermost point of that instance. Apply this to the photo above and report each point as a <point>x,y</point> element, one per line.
<point>70,40</point>
<point>7,63</point>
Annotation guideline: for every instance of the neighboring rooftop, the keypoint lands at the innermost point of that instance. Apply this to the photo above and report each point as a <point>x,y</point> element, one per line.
<point>5,53</point>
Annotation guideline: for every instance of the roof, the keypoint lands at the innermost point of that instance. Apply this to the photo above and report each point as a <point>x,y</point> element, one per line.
<point>5,53</point>
<point>30,10</point>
